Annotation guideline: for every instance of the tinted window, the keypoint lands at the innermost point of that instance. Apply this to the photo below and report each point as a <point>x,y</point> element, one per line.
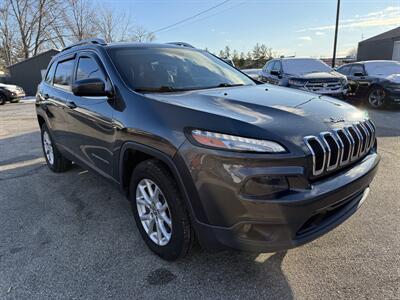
<point>63,76</point>
<point>304,66</point>
<point>345,70</point>
<point>88,68</point>
<point>50,73</point>
<point>169,69</point>
<point>268,66</point>
<point>277,66</point>
<point>357,69</point>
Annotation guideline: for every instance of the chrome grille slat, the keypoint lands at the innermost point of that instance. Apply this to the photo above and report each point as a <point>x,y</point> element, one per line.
<point>330,150</point>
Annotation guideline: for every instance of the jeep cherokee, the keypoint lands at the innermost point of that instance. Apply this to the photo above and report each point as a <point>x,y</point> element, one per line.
<point>201,150</point>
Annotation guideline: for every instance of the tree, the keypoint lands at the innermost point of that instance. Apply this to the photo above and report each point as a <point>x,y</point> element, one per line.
<point>113,26</point>
<point>140,34</point>
<point>227,52</point>
<point>80,19</point>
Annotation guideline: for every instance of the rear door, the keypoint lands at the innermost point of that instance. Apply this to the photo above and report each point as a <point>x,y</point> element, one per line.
<point>91,122</point>
<point>360,79</point>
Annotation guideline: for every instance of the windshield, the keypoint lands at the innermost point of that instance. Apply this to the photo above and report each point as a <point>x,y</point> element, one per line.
<point>173,69</point>
<point>304,66</point>
<point>382,68</point>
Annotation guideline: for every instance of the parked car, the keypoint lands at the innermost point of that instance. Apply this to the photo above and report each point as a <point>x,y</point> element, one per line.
<point>253,73</point>
<point>203,151</point>
<point>306,74</point>
<point>11,93</point>
<point>375,82</point>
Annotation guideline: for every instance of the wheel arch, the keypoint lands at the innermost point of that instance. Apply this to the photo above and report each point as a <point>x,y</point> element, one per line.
<point>133,153</point>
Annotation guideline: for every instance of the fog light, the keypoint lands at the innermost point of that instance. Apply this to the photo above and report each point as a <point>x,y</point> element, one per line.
<point>265,185</point>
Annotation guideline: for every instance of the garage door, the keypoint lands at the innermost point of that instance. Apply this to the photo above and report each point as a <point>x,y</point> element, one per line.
<point>396,51</point>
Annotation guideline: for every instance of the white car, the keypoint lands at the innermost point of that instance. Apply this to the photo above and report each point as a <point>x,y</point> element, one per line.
<point>11,93</point>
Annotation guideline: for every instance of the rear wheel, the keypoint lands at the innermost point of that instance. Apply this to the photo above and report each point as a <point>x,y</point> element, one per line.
<point>159,211</point>
<point>54,159</point>
<point>376,97</point>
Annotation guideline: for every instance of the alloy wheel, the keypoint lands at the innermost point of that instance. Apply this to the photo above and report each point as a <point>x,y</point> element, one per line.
<point>154,212</point>
<point>377,97</point>
<point>48,147</point>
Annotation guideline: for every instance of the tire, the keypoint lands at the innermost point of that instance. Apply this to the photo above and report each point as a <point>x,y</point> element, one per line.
<point>179,237</point>
<point>2,99</point>
<point>54,159</point>
<point>376,97</point>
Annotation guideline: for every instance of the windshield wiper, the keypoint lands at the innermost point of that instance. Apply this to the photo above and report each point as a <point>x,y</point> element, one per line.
<point>225,84</point>
<point>161,89</point>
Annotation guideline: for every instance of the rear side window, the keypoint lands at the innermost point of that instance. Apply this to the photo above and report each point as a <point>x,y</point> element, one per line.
<point>63,76</point>
<point>357,69</point>
<point>50,73</point>
<point>345,70</point>
<point>88,68</point>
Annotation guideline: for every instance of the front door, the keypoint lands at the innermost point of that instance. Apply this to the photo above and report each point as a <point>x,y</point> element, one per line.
<point>91,119</point>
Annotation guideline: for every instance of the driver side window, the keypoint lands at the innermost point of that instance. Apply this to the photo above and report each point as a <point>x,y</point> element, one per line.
<point>88,68</point>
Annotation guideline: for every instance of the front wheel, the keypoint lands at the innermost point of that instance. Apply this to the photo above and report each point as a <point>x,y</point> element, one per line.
<point>376,97</point>
<point>54,159</point>
<point>159,211</point>
<point>2,99</point>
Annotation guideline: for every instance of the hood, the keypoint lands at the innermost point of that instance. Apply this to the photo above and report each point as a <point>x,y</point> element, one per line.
<point>395,78</point>
<point>281,111</point>
<point>319,75</point>
<point>10,87</point>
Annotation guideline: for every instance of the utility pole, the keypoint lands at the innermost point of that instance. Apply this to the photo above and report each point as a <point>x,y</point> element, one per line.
<point>336,34</point>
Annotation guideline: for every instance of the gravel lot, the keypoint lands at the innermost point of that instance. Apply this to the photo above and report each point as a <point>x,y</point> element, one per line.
<point>72,236</point>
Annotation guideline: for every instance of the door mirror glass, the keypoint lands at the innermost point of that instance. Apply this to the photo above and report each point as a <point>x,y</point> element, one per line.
<point>89,87</point>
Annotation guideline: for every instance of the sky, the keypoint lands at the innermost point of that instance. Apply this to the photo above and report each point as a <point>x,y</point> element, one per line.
<point>289,27</point>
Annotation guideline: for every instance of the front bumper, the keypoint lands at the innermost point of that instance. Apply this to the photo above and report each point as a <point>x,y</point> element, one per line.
<point>393,96</point>
<point>225,218</point>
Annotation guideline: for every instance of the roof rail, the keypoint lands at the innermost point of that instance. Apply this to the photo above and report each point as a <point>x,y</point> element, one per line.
<point>181,44</point>
<point>86,42</point>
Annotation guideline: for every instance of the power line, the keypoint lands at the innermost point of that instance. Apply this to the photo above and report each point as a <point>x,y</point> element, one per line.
<point>191,17</point>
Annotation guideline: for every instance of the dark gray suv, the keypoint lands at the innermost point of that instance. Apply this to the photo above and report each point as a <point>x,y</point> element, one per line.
<point>201,150</point>
<point>307,74</point>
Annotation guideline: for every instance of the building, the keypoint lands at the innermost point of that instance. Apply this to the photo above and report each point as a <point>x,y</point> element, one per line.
<point>28,73</point>
<point>383,46</point>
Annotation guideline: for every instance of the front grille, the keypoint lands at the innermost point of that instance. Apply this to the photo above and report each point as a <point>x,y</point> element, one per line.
<point>331,150</point>
<point>323,86</point>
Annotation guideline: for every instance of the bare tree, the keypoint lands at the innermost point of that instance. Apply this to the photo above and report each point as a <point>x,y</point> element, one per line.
<point>113,26</point>
<point>140,34</point>
<point>7,34</point>
<point>80,19</point>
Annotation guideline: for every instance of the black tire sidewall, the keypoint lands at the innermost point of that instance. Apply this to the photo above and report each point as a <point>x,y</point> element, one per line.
<point>2,99</point>
<point>176,247</point>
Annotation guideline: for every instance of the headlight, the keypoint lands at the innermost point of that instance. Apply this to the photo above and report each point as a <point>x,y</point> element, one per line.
<point>343,82</point>
<point>235,143</point>
<point>297,82</point>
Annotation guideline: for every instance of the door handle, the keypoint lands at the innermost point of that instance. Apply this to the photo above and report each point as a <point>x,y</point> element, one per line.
<point>71,104</point>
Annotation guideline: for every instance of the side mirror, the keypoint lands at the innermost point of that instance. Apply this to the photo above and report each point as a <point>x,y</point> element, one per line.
<point>90,87</point>
<point>275,73</point>
<point>358,74</point>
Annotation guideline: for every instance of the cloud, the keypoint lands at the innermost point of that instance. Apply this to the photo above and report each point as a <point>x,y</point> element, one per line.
<point>305,38</point>
<point>319,33</point>
<point>387,17</point>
